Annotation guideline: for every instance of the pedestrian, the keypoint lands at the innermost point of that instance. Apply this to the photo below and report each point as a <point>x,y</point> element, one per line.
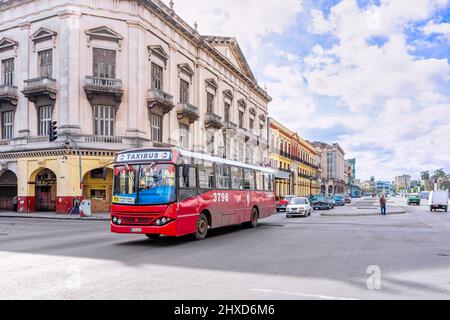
<point>76,206</point>
<point>383,205</point>
<point>15,202</point>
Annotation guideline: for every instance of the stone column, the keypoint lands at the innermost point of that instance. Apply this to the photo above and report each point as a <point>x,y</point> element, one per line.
<point>69,73</point>
<point>23,74</point>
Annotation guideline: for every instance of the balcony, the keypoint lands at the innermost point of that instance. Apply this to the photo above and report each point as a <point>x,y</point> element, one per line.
<point>213,121</point>
<point>103,139</point>
<point>186,111</point>
<point>157,98</point>
<point>252,138</point>
<point>95,87</point>
<point>242,134</point>
<point>5,142</point>
<point>8,93</point>
<point>229,128</point>
<point>40,87</point>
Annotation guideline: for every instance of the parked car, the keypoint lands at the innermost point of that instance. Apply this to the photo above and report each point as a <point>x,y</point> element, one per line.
<point>331,201</point>
<point>339,200</point>
<point>283,203</point>
<point>348,199</point>
<point>299,206</point>
<point>438,200</point>
<point>322,203</point>
<point>413,199</point>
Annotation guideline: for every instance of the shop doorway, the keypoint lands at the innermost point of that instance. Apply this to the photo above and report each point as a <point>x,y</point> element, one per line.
<point>46,191</point>
<point>8,190</point>
<point>97,187</point>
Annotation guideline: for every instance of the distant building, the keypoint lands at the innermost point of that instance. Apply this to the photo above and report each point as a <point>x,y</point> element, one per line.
<point>402,182</point>
<point>294,156</point>
<point>384,187</point>
<point>332,166</point>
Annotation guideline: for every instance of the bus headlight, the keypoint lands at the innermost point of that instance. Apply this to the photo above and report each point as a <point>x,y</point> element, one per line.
<point>114,219</point>
<point>119,222</point>
<point>162,221</point>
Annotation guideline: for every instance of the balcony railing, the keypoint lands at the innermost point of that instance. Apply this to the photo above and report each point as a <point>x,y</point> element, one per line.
<point>38,139</point>
<point>42,86</point>
<point>105,83</point>
<point>187,111</point>
<point>8,93</point>
<point>159,99</point>
<point>5,142</point>
<point>228,125</point>
<point>103,86</point>
<point>159,95</point>
<point>103,139</point>
<point>41,82</point>
<point>212,120</point>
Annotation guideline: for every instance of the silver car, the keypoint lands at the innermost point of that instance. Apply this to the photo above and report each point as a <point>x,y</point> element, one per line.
<point>299,206</point>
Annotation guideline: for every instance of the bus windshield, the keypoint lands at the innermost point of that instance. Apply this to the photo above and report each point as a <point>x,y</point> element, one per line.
<point>146,184</point>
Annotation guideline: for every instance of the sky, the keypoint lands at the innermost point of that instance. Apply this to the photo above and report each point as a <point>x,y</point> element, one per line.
<point>373,76</point>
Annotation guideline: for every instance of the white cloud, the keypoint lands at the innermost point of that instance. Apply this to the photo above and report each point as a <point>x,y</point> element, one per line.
<point>248,20</point>
<point>437,28</point>
<point>397,96</point>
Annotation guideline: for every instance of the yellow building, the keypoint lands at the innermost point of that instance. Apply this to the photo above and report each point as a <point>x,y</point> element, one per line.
<point>292,154</point>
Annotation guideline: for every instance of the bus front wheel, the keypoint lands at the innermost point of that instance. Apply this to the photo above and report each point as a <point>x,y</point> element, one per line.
<point>202,227</point>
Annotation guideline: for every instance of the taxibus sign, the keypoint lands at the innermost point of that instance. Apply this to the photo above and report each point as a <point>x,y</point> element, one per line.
<point>143,156</point>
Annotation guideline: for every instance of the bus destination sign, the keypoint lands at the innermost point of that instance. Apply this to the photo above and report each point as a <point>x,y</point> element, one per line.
<point>144,156</point>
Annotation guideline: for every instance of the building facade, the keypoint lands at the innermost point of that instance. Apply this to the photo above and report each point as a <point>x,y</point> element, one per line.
<point>333,179</point>
<point>291,154</point>
<point>115,75</point>
<point>402,182</point>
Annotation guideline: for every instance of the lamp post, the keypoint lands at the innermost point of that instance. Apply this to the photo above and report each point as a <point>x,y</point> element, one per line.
<point>310,186</point>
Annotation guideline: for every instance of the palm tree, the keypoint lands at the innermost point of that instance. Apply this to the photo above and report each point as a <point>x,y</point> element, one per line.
<point>439,174</point>
<point>425,175</point>
<point>372,179</point>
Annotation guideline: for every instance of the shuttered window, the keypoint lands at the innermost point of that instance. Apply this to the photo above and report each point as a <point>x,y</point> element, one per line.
<point>184,91</point>
<point>104,118</point>
<point>45,63</point>
<point>156,127</point>
<point>157,77</point>
<point>45,117</point>
<point>104,63</point>
<point>8,71</point>
<point>7,125</point>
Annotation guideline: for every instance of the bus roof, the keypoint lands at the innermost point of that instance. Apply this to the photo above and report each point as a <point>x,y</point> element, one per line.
<point>206,157</point>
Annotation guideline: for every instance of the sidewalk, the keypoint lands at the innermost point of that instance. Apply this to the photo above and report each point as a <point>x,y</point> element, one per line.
<point>103,216</point>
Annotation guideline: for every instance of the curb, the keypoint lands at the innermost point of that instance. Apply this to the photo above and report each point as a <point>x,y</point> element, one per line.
<point>54,218</point>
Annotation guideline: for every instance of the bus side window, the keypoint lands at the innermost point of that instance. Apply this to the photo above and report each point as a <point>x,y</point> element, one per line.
<point>267,182</point>
<point>259,181</point>
<point>237,182</point>
<point>222,176</point>
<point>206,175</point>
<point>188,177</point>
<point>249,179</point>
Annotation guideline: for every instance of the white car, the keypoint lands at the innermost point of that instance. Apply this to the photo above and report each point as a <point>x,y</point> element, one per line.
<point>298,206</point>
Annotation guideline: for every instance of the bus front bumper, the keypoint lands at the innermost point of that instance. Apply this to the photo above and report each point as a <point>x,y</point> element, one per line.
<point>169,230</point>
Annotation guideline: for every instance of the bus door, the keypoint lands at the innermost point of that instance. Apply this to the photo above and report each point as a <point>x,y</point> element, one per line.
<point>188,205</point>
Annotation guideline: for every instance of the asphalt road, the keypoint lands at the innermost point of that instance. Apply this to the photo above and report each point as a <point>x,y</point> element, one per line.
<point>393,257</point>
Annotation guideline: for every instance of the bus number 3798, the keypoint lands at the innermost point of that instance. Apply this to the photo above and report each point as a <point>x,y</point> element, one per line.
<point>220,197</point>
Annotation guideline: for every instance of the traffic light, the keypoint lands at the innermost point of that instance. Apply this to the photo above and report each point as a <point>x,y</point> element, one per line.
<point>52,133</point>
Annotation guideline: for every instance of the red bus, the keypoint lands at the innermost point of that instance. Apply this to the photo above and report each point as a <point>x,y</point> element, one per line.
<point>172,192</point>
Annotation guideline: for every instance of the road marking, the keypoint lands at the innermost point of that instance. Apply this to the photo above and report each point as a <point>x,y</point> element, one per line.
<point>305,295</point>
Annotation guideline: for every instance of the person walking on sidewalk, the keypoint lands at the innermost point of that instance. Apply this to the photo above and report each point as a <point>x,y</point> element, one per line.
<point>383,205</point>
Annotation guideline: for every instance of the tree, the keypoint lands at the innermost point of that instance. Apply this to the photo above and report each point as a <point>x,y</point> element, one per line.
<point>439,174</point>
<point>425,175</point>
<point>372,179</point>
